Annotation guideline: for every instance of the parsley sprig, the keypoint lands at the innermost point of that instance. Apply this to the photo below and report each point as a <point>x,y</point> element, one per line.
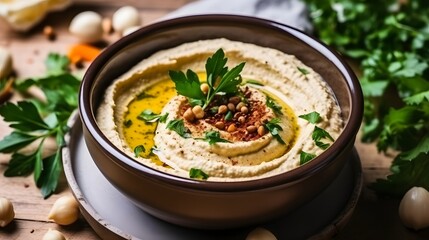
<point>220,80</point>
<point>198,174</point>
<point>274,128</point>
<point>33,121</point>
<point>178,126</point>
<point>149,116</point>
<point>391,44</point>
<point>213,137</point>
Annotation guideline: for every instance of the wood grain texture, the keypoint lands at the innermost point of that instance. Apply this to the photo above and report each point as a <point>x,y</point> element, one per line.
<point>374,218</point>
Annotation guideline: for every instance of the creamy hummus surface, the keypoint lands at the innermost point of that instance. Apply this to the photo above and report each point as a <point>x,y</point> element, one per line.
<point>244,152</point>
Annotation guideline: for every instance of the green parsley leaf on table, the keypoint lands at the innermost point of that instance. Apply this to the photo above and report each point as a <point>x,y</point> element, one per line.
<point>391,48</point>
<point>33,121</point>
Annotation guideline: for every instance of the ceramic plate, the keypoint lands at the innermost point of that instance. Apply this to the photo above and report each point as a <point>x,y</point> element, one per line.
<point>113,216</point>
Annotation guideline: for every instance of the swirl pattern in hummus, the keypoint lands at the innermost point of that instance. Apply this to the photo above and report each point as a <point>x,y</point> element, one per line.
<point>296,85</point>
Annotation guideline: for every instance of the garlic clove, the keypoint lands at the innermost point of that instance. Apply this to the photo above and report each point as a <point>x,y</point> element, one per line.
<point>6,212</point>
<point>53,234</point>
<point>414,208</point>
<point>65,210</point>
<point>260,234</point>
<point>87,26</point>
<point>125,17</point>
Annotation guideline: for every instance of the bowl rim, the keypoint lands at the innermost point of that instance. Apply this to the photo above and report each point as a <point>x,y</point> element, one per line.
<point>87,113</point>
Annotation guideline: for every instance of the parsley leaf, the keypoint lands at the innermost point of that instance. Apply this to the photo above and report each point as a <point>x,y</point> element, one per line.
<point>391,49</point>
<point>273,127</point>
<point>305,157</point>
<point>318,135</point>
<point>178,126</point>
<point>213,137</point>
<point>139,149</point>
<point>303,71</point>
<point>313,117</point>
<point>128,123</point>
<point>274,106</point>
<point>187,85</point>
<point>33,120</point>
<point>24,115</point>
<point>15,141</point>
<point>148,116</point>
<point>56,64</point>
<point>144,95</point>
<point>220,80</point>
<point>229,115</point>
<point>198,173</point>
<point>215,67</point>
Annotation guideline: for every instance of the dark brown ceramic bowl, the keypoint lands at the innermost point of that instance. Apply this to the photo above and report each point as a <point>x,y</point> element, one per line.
<point>206,204</point>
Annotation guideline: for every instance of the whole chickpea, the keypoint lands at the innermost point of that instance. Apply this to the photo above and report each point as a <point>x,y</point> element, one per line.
<point>198,111</point>
<point>189,115</point>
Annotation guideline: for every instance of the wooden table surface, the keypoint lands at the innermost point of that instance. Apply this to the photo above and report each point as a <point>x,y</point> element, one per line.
<point>374,218</point>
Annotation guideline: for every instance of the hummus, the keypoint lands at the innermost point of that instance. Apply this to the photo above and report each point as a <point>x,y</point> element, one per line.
<point>243,153</point>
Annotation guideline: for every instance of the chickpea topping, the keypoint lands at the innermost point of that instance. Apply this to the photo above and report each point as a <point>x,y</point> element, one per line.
<point>251,129</point>
<point>241,119</point>
<point>204,88</point>
<point>232,128</point>
<point>189,115</point>
<point>231,107</point>
<point>222,109</point>
<point>239,106</point>
<point>261,130</point>
<point>234,100</point>
<point>220,125</point>
<point>244,109</point>
<point>198,111</point>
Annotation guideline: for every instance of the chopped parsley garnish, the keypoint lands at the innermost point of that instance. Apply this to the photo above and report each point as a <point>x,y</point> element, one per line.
<point>144,95</point>
<point>128,123</point>
<point>213,137</point>
<point>221,81</point>
<point>305,157</point>
<point>178,126</point>
<point>273,127</point>
<point>274,105</point>
<point>229,116</point>
<point>313,117</point>
<point>139,149</point>
<point>148,116</point>
<point>303,71</point>
<point>318,135</point>
<point>198,174</point>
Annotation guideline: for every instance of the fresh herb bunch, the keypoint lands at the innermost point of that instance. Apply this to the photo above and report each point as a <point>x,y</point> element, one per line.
<point>33,121</point>
<point>390,40</point>
<point>220,80</point>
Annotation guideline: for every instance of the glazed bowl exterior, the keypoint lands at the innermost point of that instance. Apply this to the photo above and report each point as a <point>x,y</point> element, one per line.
<point>206,204</point>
